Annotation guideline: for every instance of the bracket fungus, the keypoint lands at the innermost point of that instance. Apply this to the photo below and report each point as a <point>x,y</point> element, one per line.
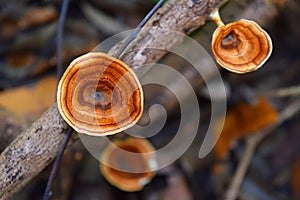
<point>128,164</point>
<point>241,46</point>
<point>99,95</point>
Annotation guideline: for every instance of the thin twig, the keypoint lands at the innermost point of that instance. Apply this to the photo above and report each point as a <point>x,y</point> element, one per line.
<point>138,28</point>
<point>252,143</point>
<point>233,190</point>
<point>283,92</point>
<point>59,39</point>
<point>48,190</point>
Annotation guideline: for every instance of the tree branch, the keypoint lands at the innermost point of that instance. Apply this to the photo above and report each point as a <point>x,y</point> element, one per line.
<point>10,127</point>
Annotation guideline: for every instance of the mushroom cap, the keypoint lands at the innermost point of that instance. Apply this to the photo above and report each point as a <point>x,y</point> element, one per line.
<point>99,95</point>
<point>128,171</point>
<point>242,46</point>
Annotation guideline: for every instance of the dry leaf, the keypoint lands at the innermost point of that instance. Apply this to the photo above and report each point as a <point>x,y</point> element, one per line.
<point>244,119</point>
<point>20,59</point>
<point>30,101</point>
<point>38,15</point>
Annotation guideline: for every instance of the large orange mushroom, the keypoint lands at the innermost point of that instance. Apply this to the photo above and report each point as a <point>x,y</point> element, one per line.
<point>129,164</point>
<point>99,95</point>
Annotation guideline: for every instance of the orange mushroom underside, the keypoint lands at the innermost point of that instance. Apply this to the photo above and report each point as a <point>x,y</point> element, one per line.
<point>126,171</point>
<point>99,95</point>
<point>241,46</point>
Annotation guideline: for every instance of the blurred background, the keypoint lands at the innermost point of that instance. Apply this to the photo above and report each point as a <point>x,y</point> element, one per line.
<point>255,101</point>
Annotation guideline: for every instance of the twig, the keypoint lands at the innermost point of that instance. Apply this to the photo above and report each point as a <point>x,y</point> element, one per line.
<point>48,190</point>
<point>169,19</point>
<point>59,38</point>
<point>234,187</point>
<point>252,143</point>
<point>138,28</point>
<point>283,92</point>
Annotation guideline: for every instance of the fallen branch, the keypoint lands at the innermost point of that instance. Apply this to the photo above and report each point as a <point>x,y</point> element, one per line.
<point>10,127</point>
<point>36,147</point>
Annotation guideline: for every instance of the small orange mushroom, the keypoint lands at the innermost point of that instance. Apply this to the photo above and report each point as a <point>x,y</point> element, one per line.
<point>242,46</point>
<point>128,164</point>
<point>99,95</point>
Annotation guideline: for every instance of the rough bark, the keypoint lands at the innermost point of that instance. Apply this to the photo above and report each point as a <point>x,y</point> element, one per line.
<point>11,126</point>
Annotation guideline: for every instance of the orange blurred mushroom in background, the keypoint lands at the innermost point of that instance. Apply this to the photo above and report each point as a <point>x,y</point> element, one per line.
<point>129,164</point>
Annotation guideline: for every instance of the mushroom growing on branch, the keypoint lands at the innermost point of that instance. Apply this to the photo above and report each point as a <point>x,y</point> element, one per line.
<point>241,46</point>
<point>99,95</point>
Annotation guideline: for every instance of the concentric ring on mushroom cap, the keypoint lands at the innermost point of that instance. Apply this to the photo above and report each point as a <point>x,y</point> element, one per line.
<point>242,46</point>
<point>129,164</point>
<point>99,95</point>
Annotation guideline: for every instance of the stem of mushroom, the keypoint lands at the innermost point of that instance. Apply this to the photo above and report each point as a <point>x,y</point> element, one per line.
<point>215,16</point>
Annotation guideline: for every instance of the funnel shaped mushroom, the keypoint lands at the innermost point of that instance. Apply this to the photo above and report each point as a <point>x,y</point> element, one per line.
<point>99,95</point>
<point>128,164</point>
<point>242,46</point>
